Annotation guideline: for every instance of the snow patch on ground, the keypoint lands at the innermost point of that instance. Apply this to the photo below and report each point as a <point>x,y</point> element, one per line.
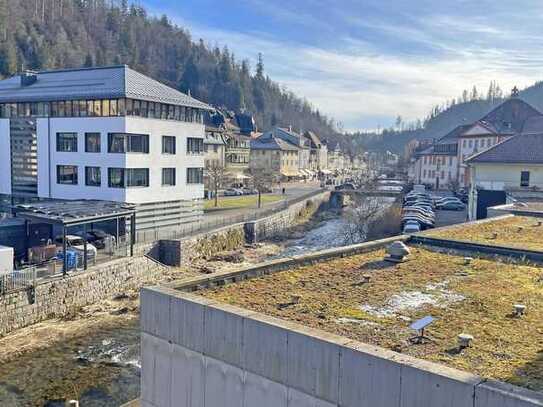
<point>436,295</point>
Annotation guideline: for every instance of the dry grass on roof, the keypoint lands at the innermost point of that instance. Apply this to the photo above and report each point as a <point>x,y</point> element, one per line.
<point>518,231</point>
<point>477,299</point>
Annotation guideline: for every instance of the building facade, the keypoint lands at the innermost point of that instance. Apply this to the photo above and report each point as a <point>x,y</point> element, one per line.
<point>443,164</point>
<point>108,134</point>
<point>275,156</point>
<point>510,171</point>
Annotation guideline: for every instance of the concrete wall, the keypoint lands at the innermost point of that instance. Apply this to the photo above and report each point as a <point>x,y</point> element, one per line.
<point>200,353</point>
<point>60,296</point>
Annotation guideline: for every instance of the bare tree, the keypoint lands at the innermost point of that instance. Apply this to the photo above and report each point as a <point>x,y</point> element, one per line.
<point>358,217</point>
<point>215,178</point>
<point>263,181</point>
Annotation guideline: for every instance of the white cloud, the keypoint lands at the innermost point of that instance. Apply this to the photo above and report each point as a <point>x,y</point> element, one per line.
<point>359,86</point>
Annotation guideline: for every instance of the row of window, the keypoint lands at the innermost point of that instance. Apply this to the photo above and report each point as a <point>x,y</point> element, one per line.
<point>124,143</point>
<point>437,160</point>
<point>435,174</point>
<point>475,143</point>
<point>102,108</point>
<point>124,177</point>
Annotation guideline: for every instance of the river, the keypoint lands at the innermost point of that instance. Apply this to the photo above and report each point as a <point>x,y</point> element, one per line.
<point>103,369</point>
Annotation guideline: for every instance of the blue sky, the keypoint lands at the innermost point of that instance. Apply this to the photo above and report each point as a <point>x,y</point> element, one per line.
<point>363,62</point>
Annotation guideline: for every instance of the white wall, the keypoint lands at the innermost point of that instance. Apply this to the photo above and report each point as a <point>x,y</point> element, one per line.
<point>500,176</point>
<point>155,160</point>
<point>5,157</point>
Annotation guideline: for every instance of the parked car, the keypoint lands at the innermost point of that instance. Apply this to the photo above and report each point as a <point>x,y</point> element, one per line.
<point>233,192</point>
<point>411,226</point>
<point>422,212</point>
<point>77,243</point>
<point>451,206</point>
<point>445,199</point>
<point>249,191</point>
<point>98,238</point>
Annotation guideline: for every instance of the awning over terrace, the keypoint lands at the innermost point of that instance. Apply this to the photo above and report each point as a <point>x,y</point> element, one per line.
<point>67,214</point>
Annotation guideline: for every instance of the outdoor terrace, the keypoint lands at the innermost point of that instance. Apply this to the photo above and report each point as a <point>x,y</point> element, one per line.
<point>520,232</point>
<point>475,298</point>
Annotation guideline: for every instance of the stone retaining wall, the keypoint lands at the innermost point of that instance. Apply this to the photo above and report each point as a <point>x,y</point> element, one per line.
<point>178,252</point>
<point>60,296</point>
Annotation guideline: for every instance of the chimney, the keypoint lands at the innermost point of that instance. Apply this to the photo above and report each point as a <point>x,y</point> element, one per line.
<point>28,78</point>
<point>290,128</point>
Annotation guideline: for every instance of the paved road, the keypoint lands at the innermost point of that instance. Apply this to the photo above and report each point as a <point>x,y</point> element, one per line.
<point>292,190</point>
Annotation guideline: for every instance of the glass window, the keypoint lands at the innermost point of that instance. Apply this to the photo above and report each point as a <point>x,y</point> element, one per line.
<point>137,107</point>
<point>75,108</point>
<point>54,109</point>
<point>67,174</point>
<point>151,109</point>
<point>171,112</point>
<point>129,107</point>
<point>128,143</point>
<point>69,110</point>
<point>92,142</point>
<point>90,108</point>
<point>105,107</point>
<point>137,177</point>
<point>143,111</point>
<point>113,108</point>
<point>177,113</point>
<point>61,109</point>
<point>33,109</point>
<point>182,114</point>
<point>164,114</point>
<point>67,142</point>
<point>168,176</point>
<point>168,144</point>
<point>115,177</point>
<point>195,145</point>
<point>525,178</point>
<point>97,108</point>
<point>195,175</point>
<point>82,108</point>
<point>121,107</point>
<point>93,176</point>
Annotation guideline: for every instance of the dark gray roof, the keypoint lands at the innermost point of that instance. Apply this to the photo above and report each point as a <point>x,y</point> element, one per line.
<point>509,117</point>
<point>93,83</point>
<point>313,138</point>
<point>272,143</point>
<point>73,212</point>
<point>453,135</point>
<point>520,149</point>
<point>533,125</point>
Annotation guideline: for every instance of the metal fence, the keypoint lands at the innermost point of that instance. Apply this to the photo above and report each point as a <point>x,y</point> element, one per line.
<point>217,222</point>
<point>17,280</point>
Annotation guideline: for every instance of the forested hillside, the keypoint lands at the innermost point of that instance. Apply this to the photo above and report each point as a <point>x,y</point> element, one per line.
<point>469,107</point>
<point>45,34</point>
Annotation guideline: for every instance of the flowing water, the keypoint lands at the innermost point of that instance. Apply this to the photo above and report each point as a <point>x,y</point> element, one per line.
<point>103,369</point>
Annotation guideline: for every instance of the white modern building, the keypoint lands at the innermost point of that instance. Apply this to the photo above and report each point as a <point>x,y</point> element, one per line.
<point>106,133</point>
